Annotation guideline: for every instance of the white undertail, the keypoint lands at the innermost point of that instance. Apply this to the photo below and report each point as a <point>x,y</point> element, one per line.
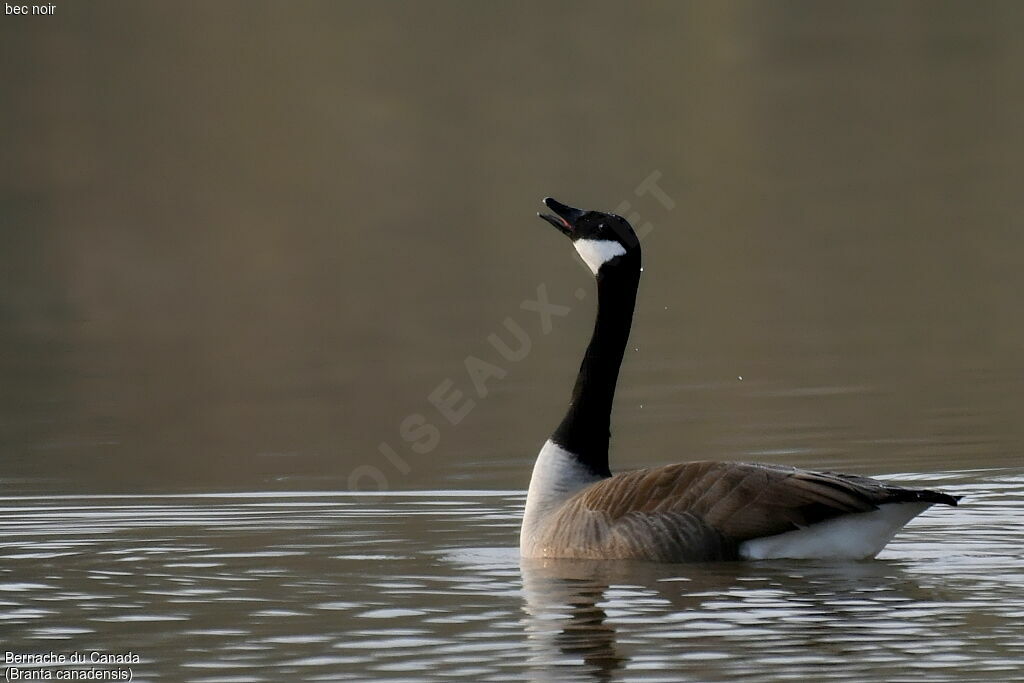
<point>856,536</point>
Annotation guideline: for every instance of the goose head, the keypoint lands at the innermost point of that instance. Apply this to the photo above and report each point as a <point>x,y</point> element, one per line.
<point>603,240</point>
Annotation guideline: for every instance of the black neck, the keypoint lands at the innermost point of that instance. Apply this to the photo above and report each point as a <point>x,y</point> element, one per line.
<point>586,427</point>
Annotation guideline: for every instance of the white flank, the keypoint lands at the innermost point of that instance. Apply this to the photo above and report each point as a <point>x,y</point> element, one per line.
<point>596,253</point>
<point>855,536</point>
<point>557,475</point>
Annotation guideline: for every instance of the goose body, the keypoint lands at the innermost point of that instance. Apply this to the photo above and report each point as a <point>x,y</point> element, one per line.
<point>695,511</point>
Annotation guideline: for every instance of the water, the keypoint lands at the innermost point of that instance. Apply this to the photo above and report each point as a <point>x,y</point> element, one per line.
<point>429,586</point>
<point>243,243</point>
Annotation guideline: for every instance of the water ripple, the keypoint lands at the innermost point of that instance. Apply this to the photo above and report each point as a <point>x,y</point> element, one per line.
<point>428,585</point>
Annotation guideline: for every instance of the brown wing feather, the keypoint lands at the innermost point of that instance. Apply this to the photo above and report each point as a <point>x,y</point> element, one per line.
<point>740,500</point>
<point>704,510</point>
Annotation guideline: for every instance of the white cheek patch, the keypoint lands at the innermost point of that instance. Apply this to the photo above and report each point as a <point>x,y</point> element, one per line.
<point>596,253</point>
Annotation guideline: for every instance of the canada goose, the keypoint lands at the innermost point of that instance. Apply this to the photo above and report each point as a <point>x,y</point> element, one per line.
<point>696,511</point>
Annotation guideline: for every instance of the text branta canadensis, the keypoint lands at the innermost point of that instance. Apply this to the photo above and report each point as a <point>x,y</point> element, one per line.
<point>696,511</point>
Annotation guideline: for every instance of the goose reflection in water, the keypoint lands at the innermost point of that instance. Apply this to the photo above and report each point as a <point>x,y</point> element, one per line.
<point>776,610</point>
<point>566,623</point>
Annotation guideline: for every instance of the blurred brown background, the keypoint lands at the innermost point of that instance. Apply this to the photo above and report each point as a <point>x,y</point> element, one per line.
<point>241,241</point>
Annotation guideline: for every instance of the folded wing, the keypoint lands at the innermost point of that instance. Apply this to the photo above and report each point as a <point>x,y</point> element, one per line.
<point>705,510</point>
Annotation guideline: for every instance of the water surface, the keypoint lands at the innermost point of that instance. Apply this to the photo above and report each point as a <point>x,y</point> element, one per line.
<point>430,586</point>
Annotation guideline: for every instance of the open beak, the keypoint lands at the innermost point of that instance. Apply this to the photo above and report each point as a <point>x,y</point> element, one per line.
<point>564,217</point>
